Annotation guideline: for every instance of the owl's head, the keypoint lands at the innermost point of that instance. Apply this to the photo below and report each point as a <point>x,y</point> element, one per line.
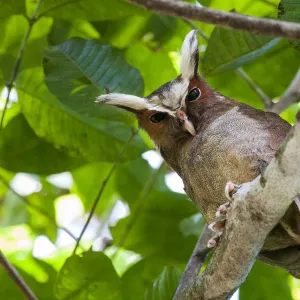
<point>169,112</point>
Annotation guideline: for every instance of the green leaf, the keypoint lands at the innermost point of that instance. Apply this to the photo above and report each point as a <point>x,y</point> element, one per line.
<point>289,10</point>
<point>13,210</point>
<point>88,68</point>
<point>90,276</point>
<point>165,286</point>
<point>12,32</point>
<point>63,30</point>
<point>36,155</point>
<point>80,136</point>
<point>139,56</point>
<point>88,9</point>
<point>12,7</point>
<point>273,284</point>
<point>43,199</point>
<point>156,225</point>
<point>229,49</point>
<point>137,279</point>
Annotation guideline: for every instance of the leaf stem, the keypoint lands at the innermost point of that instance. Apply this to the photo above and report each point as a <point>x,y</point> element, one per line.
<point>13,273</point>
<point>9,85</point>
<point>102,187</point>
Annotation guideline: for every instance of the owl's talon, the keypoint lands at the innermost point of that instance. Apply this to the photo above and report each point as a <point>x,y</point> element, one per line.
<point>230,189</point>
<point>217,226</point>
<point>222,210</point>
<point>213,242</point>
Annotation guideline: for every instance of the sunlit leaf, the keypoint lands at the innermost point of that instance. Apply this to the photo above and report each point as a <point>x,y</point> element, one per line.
<point>266,282</point>
<point>88,9</point>
<point>90,276</point>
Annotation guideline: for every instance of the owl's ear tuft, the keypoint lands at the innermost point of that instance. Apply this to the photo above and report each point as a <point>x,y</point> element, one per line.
<point>128,102</point>
<point>189,55</point>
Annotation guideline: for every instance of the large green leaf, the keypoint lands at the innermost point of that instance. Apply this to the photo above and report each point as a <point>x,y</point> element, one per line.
<point>11,7</point>
<point>88,68</point>
<point>137,279</point>
<point>289,10</point>
<point>90,276</point>
<point>88,9</point>
<point>78,135</point>
<point>156,73</point>
<point>229,49</point>
<point>21,150</point>
<point>155,230</point>
<point>266,283</point>
<point>165,285</point>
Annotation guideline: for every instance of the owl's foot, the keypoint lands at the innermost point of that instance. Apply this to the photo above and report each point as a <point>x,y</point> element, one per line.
<point>219,225</point>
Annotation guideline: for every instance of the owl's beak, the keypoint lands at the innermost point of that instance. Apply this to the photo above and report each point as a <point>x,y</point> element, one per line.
<point>187,124</point>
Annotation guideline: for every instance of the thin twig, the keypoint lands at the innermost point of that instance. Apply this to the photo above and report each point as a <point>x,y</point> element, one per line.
<point>290,96</point>
<point>9,85</point>
<point>103,185</point>
<point>262,26</point>
<point>13,273</point>
<point>139,204</point>
<point>262,95</point>
<point>196,261</point>
<point>38,209</point>
<point>240,71</point>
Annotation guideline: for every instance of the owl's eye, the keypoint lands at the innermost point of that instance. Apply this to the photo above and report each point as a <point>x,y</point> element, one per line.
<point>158,117</point>
<point>193,94</point>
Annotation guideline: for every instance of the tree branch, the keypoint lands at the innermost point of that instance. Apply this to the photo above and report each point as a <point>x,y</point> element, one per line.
<point>102,187</point>
<point>196,261</point>
<point>15,71</point>
<point>13,273</point>
<point>290,96</point>
<point>257,208</point>
<point>255,25</point>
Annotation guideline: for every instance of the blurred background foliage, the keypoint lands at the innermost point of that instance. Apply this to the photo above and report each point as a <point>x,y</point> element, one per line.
<point>57,146</point>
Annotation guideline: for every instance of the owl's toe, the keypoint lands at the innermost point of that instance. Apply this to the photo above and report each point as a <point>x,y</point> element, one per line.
<point>213,242</point>
<point>230,190</point>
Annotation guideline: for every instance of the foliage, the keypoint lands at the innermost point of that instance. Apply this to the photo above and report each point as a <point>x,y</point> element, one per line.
<point>76,51</point>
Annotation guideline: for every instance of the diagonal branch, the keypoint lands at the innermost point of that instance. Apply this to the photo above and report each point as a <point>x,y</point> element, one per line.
<point>196,261</point>
<point>102,187</point>
<point>255,25</point>
<point>13,273</point>
<point>257,208</point>
<point>290,96</point>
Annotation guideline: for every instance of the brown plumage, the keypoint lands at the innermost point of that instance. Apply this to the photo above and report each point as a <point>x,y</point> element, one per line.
<point>210,139</point>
